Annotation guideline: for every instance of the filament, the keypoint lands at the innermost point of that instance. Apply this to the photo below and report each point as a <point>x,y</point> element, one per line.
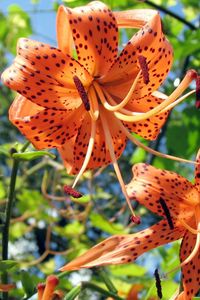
<point>190,75</point>
<point>94,107</point>
<point>197,244</point>
<point>148,149</point>
<point>114,160</point>
<point>123,102</point>
<point>88,154</point>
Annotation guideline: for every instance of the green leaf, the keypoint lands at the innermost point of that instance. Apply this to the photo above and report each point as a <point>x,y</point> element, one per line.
<point>27,156</point>
<point>27,283</point>
<point>6,265</point>
<point>104,224</point>
<point>128,270</point>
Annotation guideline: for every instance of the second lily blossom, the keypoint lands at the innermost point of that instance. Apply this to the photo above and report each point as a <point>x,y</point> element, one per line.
<point>88,107</point>
<point>177,201</point>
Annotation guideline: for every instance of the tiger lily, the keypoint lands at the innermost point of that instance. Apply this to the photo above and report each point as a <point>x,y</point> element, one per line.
<point>87,107</point>
<point>177,201</point>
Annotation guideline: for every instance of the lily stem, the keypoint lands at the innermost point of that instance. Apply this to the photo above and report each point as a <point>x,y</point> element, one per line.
<point>5,235</point>
<point>89,285</point>
<point>8,211</point>
<point>105,278</point>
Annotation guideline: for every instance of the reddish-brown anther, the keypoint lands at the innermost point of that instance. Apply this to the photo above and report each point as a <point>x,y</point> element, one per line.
<point>82,92</point>
<point>72,192</point>
<point>198,92</point>
<point>144,67</point>
<point>135,220</point>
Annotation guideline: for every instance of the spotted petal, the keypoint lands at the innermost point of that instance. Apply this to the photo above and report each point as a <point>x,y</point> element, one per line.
<point>150,184</point>
<point>44,75</point>
<point>197,172</point>
<point>95,34</point>
<point>149,128</point>
<point>121,249</point>
<point>191,271</point>
<point>74,153</point>
<point>45,128</point>
<point>150,43</point>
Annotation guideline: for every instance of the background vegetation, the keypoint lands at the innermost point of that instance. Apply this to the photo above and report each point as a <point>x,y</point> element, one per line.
<point>48,228</point>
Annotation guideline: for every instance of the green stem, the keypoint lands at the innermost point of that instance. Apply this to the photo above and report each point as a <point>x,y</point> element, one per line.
<point>105,278</point>
<point>8,211</point>
<point>103,292</point>
<point>5,235</point>
<point>89,285</point>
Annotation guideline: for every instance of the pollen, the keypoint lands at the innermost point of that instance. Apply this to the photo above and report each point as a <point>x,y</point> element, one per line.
<point>72,192</point>
<point>144,67</point>
<point>82,92</point>
<point>167,213</point>
<point>197,92</point>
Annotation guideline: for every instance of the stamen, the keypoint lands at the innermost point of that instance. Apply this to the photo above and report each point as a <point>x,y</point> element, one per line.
<point>114,160</point>
<point>72,192</point>
<point>158,284</point>
<point>144,67</point>
<point>102,93</point>
<point>190,75</point>
<point>135,220</point>
<point>197,244</point>
<point>198,92</point>
<point>82,92</point>
<point>148,149</point>
<point>88,154</point>
<point>167,213</point>
<point>94,108</point>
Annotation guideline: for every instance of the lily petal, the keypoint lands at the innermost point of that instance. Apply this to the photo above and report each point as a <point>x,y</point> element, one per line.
<point>95,34</point>
<point>45,128</point>
<point>150,128</point>
<point>197,172</point>
<point>190,271</point>
<point>149,184</point>
<point>150,43</point>
<point>121,249</point>
<point>100,154</point>
<point>44,75</point>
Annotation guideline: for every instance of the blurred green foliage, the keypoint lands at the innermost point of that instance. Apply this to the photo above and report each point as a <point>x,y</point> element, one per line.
<point>48,228</point>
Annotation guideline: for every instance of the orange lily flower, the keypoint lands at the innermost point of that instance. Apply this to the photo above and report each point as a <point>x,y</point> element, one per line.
<point>172,197</point>
<point>87,107</point>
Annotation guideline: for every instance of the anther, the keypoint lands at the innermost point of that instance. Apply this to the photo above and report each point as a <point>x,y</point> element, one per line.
<point>158,283</point>
<point>144,68</point>
<point>135,219</point>
<point>167,213</point>
<point>72,192</point>
<point>197,104</point>
<point>82,92</point>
